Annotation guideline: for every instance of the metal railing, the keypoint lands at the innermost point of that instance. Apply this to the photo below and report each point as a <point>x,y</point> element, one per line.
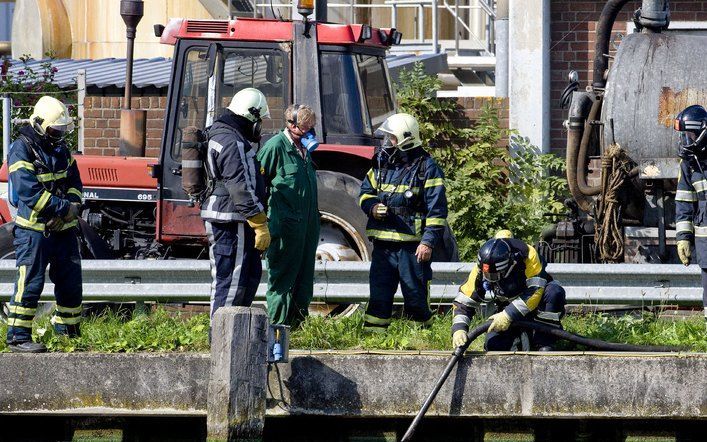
<point>463,12</point>
<point>340,282</point>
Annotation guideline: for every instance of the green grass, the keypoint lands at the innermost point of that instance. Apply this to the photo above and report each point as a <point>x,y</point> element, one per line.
<point>162,331</point>
<point>113,332</point>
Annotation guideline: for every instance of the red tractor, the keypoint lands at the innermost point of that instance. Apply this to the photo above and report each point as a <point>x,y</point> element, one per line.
<point>136,207</point>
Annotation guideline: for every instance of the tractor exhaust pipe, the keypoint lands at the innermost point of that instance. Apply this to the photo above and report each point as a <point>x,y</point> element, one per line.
<point>132,121</point>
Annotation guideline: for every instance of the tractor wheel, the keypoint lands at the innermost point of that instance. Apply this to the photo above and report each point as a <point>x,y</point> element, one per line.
<point>7,246</point>
<point>343,225</point>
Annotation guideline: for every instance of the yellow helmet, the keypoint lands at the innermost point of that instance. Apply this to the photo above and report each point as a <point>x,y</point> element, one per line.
<point>250,103</point>
<point>504,234</point>
<point>404,128</point>
<point>51,118</point>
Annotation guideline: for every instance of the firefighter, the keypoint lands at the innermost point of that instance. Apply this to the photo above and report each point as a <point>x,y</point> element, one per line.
<point>404,198</point>
<point>289,175</point>
<point>691,196</point>
<point>45,186</point>
<point>511,275</point>
<point>234,213</point>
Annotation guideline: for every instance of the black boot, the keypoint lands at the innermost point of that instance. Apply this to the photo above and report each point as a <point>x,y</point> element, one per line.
<point>27,347</point>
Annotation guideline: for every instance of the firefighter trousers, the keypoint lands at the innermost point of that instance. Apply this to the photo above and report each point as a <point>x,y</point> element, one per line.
<point>34,252</point>
<point>290,260</point>
<point>550,310</point>
<point>395,263</point>
<point>235,264</point>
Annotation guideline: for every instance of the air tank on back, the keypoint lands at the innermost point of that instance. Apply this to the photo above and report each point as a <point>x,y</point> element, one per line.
<point>653,77</point>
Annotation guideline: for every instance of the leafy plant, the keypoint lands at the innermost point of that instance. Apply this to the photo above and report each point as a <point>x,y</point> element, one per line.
<point>489,186</point>
<point>28,85</point>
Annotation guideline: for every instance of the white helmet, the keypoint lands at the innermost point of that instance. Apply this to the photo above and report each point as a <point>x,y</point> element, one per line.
<point>250,103</point>
<point>404,128</point>
<point>51,118</point>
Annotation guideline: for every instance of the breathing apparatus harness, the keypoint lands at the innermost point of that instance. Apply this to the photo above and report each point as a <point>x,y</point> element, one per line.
<point>413,196</point>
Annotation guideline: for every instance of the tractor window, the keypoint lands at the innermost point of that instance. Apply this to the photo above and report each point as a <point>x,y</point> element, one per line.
<point>341,104</point>
<point>263,68</point>
<point>191,109</point>
<point>374,83</point>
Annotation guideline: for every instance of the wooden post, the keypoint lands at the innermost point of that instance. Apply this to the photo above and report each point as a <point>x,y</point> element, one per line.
<point>238,378</point>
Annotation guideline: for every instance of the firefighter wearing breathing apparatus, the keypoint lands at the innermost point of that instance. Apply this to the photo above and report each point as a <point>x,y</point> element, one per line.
<point>287,167</point>
<point>404,197</point>
<point>691,196</point>
<point>46,189</point>
<point>510,274</point>
<point>234,212</point>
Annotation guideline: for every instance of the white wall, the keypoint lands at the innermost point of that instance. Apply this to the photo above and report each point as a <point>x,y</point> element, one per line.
<point>529,70</point>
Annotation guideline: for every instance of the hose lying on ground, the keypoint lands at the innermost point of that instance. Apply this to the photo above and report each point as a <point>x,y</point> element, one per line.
<point>526,325</point>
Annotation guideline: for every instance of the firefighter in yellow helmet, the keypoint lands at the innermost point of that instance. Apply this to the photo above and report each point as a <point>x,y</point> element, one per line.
<point>46,189</point>
<point>405,200</point>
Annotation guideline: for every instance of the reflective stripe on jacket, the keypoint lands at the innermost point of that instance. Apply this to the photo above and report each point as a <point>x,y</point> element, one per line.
<point>413,189</point>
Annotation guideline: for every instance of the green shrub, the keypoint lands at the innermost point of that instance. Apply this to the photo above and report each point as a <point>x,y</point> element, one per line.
<point>28,85</point>
<point>488,188</point>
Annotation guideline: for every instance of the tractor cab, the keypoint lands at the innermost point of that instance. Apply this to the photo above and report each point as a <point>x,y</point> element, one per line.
<point>338,70</point>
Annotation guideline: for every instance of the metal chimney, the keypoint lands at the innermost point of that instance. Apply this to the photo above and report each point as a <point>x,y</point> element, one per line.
<point>132,121</point>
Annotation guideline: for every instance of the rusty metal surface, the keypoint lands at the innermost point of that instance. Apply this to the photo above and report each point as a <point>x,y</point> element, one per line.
<point>653,77</point>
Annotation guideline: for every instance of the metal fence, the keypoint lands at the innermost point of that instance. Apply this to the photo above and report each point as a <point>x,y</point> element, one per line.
<point>339,282</point>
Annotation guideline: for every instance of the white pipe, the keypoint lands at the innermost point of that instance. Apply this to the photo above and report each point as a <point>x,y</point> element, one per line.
<point>501,48</point>
<point>6,126</point>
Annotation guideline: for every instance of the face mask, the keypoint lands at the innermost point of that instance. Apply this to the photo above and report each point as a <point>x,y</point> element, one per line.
<point>309,140</point>
<point>256,132</point>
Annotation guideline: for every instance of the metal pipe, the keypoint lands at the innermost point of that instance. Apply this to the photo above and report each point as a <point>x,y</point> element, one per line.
<point>456,27</point>
<point>654,15</point>
<point>81,93</point>
<point>421,23</point>
<point>131,11</point>
<point>501,25</point>
<point>606,23</point>
<point>435,29</point>
<point>6,125</point>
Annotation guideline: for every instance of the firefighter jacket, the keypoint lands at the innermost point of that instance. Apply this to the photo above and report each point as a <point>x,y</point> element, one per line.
<point>691,205</point>
<point>45,178</point>
<point>411,185</point>
<point>518,294</point>
<point>239,191</point>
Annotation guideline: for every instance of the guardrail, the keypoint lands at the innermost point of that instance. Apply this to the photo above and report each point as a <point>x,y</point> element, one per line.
<point>338,282</point>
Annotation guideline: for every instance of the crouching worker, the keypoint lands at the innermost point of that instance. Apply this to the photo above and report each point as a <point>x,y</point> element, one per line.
<point>45,186</point>
<point>510,274</point>
<point>404,198</point>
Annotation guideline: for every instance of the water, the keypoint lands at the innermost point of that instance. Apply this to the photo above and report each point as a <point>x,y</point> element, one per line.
<point>325,429</point>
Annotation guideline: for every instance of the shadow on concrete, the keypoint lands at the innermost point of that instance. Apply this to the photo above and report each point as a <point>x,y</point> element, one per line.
<point>459,380</point>
<point>314,387</point>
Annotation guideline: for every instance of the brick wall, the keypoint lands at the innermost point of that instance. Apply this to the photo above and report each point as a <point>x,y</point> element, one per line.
<point>102,123</point>
<point>573,28</point>
<point>102,120</point>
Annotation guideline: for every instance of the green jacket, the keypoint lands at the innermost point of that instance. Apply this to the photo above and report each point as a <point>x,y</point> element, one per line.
<point>291,182</point>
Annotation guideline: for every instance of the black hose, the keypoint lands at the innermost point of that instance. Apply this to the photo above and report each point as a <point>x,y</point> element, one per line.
<point>456,356</point>
<point>588,342</point>
<point>527,325</point>
<point>606,23</point>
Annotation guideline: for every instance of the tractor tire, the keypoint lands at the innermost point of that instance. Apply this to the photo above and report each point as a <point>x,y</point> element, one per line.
<point>338,204</point>
<point>7,246</point>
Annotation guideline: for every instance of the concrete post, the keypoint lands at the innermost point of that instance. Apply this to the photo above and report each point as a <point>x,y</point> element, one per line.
<point>6,125</point>
<point>529,70</point>
<point>502,48</point>
<point>238,375</point>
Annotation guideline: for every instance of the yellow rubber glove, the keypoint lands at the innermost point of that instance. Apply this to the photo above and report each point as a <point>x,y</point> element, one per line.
<point>684,251</point>
<point>459,338</point>
<point>501,322</point>
<point>259,223</point>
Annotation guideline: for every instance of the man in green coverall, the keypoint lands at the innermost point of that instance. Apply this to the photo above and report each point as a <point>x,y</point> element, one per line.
<point>293,215</point>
